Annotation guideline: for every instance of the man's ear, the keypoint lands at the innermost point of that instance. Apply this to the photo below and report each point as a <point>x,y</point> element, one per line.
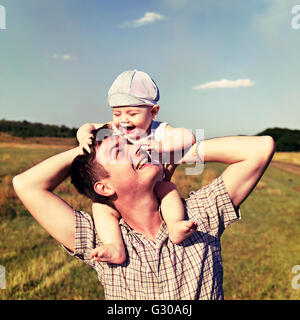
<point>154,111</point>
<point>104,188</point>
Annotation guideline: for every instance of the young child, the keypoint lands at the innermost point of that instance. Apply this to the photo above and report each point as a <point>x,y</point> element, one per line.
<point>133,97</point>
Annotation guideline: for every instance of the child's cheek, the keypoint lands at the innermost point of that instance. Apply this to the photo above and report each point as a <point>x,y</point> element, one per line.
<point>141,123</point>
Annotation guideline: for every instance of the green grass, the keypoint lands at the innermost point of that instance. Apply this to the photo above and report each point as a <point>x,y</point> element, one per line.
<point>37,267</point>
<point>258,252</point>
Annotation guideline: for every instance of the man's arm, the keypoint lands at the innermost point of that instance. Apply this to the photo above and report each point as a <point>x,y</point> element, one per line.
<point>34,188</point>
<point>247,156</point>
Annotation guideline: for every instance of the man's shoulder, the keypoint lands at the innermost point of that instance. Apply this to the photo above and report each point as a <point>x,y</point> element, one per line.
<point>212,207</point>
<point>85,232</point>
<point>206,197</point>
<point>217,184</point>
<point>84,220</point>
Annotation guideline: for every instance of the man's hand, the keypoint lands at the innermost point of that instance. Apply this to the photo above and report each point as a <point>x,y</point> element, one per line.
<point>152,145</point>
<point>169,171</point>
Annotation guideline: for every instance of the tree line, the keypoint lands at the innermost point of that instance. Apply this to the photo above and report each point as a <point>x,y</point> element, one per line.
<point>285,139</point>
<point>27,129</point>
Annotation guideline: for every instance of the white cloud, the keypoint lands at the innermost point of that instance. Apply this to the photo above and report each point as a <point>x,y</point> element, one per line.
<point>225,83</point>
<point>149,17</point>
<point>64,57</point>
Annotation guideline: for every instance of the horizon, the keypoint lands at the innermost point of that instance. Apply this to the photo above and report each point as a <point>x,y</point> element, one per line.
<point>72,128</point>
<point>227,68</point>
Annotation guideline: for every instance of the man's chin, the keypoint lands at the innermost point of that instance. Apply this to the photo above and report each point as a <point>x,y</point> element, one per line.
<point>156,171</point>
<point>151,170</point>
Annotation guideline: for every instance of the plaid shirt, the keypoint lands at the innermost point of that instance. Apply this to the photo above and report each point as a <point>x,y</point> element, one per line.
<point>162,270</point>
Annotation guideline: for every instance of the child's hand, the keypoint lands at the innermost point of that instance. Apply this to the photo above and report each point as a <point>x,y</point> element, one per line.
<point>168,171</point>
<point>84,136</point>
<point>152,145</point>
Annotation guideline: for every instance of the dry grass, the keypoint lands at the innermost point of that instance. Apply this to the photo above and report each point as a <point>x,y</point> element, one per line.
<point>275,192</point>
<point>208,176</point>
<point>184,183</point>
<point>6,192</point>
<point>288,157</point>
<point>261,185</point>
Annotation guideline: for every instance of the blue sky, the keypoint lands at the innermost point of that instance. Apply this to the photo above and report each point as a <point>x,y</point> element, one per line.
<point>58,59</point>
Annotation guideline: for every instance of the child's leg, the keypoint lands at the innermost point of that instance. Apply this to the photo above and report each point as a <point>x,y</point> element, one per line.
<point>173,212</point>
<point>107,226</point>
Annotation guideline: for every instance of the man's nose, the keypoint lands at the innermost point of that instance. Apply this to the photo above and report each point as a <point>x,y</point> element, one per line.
<point>133,152</point>
<point>129,151</point>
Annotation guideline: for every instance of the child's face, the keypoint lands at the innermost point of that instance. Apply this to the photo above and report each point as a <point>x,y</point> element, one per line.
<point>137,119</point>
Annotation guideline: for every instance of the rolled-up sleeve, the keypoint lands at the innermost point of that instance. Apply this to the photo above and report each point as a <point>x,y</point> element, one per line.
<point>212,208</point>
<point>86,240</point>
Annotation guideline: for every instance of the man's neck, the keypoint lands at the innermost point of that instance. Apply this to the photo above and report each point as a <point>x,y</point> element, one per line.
<point>141,212</point>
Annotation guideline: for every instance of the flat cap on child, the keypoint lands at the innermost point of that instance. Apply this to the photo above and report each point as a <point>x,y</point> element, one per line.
<point>133,88</point>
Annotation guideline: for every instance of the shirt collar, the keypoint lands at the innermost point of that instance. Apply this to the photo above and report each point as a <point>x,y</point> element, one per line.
<point>162,233</point>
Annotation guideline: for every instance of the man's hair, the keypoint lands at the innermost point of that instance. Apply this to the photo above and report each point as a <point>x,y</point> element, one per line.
<point>86,171</point>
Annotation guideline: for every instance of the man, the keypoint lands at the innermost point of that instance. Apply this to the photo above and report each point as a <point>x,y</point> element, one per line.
<point>155,268</point>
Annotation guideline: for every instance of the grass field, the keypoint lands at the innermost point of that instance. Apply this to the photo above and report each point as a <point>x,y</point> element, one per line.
<point>258,252</point>
<point>288,157</point>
